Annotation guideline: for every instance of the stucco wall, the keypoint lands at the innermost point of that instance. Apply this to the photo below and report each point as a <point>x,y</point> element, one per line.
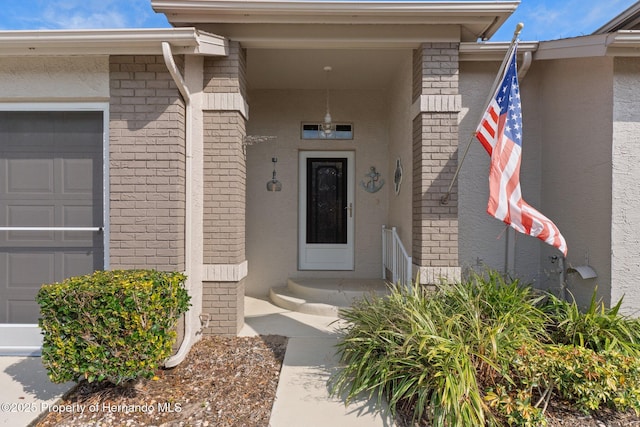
<point>272,217</point>
<point>400,140</point>
<point>575,131</point>
<point>483,239</point>
<point>625,233</point>
<point>54,78</point>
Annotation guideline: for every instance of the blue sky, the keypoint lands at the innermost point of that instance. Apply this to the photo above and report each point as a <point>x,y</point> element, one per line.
<point>543,19</point>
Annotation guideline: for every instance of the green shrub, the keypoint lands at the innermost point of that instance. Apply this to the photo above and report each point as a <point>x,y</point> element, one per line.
<point>435,352</point>
<point>111,325</point>
<point>587,379</point>
<point>597,328</point>
<point>486,351</point>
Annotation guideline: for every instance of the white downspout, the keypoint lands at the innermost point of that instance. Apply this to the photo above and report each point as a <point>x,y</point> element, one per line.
<point>188,211</point>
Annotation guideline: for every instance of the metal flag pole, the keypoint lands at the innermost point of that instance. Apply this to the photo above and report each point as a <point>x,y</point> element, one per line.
<point>445,199</point>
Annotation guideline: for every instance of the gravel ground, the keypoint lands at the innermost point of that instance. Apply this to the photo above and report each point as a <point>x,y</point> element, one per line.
<point>227,382</point>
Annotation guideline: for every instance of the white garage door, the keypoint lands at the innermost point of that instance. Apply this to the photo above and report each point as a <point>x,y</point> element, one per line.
<point>51,204</point>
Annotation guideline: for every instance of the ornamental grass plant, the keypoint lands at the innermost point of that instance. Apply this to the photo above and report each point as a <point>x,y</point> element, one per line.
<point>481,352</point>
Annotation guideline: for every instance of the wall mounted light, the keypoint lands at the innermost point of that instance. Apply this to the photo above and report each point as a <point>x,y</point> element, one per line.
<point>274,184</point>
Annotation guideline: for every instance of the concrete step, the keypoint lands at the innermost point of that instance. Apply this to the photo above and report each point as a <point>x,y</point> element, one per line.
<point>324,297</point>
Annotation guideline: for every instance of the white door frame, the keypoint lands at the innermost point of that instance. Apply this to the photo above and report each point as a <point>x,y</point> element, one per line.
<point>26,339</point>
<point>323,256</point>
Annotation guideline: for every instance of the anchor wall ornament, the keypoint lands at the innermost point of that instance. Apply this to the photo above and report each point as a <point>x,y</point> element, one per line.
<point>372,182</point>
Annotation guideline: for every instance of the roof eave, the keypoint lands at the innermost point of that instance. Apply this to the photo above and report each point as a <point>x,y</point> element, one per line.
<point>492,51</point>
<point>620,43</point>
<point>110,42</point>
<point>623,21</point>
<point>485,16</point>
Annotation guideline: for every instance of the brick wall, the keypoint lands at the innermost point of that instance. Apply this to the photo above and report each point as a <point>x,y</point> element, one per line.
<point>435,143</point>
<point>224,121</point>
<point>224,187</point>
<point>147,165</point>
<point>223,302</point>
<point>228,74</point>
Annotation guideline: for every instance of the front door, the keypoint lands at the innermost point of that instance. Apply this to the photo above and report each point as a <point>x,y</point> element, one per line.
<point>51,211</point>
<point>326,211</point>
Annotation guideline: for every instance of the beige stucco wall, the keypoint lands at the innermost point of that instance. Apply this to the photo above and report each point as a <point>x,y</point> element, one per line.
<point>272,218</point>
<point>625,209</point>
<point>565,172</point>
<point>54,78</point>
<point>400,147</point>
<point>575,132</point>
<point>483,239</point>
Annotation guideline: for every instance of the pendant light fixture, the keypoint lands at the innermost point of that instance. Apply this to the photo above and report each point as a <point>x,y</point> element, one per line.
<point>274,184</point>
<point>327,125</point>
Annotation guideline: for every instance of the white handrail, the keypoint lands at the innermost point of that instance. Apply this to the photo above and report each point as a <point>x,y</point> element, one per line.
<point>396,264</point>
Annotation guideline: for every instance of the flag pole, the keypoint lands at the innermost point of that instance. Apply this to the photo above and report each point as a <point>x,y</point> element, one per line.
<point>445,199</point>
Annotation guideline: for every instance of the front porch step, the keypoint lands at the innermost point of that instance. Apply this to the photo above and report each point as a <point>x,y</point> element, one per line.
<point>324,297</point>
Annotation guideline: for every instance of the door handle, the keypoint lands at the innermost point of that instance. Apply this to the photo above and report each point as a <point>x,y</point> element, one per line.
<point>350,208</point>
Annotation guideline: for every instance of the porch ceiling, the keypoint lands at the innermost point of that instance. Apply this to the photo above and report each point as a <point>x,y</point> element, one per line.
<point>303,69</point>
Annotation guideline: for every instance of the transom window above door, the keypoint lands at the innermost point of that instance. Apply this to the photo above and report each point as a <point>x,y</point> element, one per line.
<point>315,131</point>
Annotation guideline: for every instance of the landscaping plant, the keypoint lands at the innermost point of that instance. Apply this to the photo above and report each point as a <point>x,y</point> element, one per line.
<point>111,325</point>
<point>481,352</point>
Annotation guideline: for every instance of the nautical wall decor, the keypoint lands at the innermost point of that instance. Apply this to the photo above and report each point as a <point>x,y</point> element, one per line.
<point>372,181</point>
<point>397,176</point>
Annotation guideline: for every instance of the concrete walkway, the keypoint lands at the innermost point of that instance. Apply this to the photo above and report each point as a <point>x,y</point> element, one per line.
<point>302,398</point>
<point>25,390</point>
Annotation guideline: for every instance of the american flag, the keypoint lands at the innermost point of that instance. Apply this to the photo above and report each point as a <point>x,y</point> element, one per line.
<point>500,132</point>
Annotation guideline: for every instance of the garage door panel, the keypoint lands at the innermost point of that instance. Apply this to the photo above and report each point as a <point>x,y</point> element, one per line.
<point>77,263</point>
<point>78,216</point>
<point>22,311</point>
<point>77,176</point>
<point>30,176</point>
<point>30,270</point>
<point>30,216</point>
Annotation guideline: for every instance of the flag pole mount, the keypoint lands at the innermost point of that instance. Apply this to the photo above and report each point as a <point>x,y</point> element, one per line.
<point>444,200</point>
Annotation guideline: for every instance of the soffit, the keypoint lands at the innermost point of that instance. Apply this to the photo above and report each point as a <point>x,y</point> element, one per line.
<point>110,42</point>
<point>473,19</point>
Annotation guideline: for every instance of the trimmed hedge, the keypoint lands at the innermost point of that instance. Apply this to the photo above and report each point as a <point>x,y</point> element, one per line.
<point>111,325</point>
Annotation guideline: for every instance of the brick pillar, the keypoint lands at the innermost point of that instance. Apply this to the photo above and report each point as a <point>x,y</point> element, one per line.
<point>435,144</point>
<point>225,265</point>
<point>146,165</point>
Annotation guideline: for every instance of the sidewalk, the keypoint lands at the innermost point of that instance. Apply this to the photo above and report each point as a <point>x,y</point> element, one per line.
<point>302,398</point>
<point>25,390</point>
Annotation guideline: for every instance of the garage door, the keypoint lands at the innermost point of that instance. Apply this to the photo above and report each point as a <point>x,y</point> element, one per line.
<point>51,207</point>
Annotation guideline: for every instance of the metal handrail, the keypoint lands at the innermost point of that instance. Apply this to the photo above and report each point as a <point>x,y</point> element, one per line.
<point>99,229</point>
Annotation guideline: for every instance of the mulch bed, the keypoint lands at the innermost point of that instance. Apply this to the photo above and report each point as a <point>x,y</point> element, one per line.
<point>222,382</point>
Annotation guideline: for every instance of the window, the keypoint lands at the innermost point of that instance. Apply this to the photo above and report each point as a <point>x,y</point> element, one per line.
<point>314,131</point>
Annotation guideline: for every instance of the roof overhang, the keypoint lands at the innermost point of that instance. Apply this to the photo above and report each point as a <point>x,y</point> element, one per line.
<point>627,20</point>
<point>620,43</point>
<point>476,19</point>
<point>184,41</point>
<point>492,51</point>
